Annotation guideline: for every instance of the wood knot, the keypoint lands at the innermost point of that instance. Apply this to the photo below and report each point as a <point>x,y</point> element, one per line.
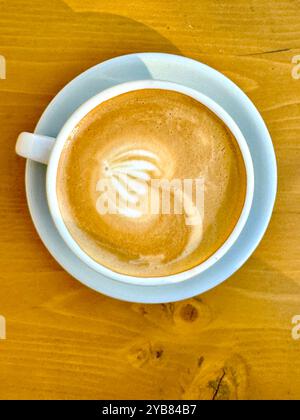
<point>217,379</point>
<point>189,313</point>
<point>144,353</point>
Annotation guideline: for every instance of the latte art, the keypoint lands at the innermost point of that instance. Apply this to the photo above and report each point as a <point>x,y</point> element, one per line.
<point>151,183</point>
<point>130,187</point>
<point>125,182</point>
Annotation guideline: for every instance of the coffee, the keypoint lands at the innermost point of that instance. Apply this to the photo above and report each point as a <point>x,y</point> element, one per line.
<point>128,143</point>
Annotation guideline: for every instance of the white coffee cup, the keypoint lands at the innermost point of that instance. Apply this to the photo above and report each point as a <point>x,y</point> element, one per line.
<point>47,150</point>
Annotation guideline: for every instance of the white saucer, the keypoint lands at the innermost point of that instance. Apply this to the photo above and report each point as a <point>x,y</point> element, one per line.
<point>200,77</point>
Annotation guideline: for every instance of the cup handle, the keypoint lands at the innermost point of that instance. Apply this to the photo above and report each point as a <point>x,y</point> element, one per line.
<point>35,147</point>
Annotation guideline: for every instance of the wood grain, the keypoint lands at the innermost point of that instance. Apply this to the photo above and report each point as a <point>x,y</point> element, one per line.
<point>65,341</point>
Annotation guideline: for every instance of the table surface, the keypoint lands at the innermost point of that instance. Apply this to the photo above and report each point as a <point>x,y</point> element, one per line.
<point>66,341</point>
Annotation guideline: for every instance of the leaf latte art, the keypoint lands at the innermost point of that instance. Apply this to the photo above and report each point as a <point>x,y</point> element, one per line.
<point>126,182</point>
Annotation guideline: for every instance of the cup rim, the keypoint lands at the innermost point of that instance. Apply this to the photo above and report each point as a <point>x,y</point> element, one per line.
<point>88,106</point>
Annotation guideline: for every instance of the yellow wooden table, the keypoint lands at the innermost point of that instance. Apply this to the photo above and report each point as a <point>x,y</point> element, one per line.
<point>64,340</point>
